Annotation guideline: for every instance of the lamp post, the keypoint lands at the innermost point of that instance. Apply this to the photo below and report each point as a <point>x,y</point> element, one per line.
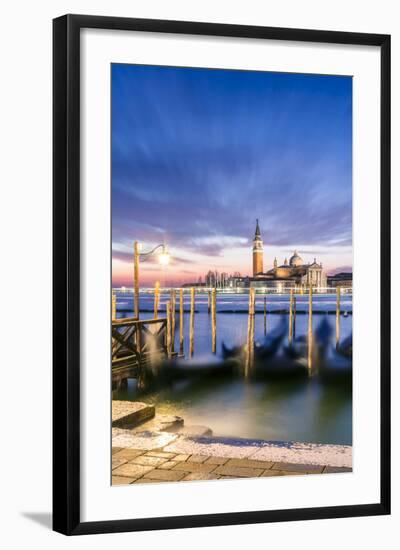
<point>163,258</point>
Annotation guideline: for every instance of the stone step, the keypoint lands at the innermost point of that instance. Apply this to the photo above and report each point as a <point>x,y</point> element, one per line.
<point>162,423</point>
<point>194,431</point>
<point>128,414</point>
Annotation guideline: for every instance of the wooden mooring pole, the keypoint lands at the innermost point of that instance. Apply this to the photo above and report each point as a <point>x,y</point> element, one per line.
<point>181,342</point>
<point>265,315</point>
<point>191,322</point>
<point>337,315</point>
<point>294,315</point>
<point>136,279</point>
<point>156,299</point>
<point>168,329</point>
<point>214,320</point>
<point>250,334</point>
<point>114,307</point>
<point>173,305</point>
<point>290,338</point>
<point>209,302</point>
<point>310,330</point>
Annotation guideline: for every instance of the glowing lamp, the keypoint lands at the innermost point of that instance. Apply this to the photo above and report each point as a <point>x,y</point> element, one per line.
<point>163,258</point>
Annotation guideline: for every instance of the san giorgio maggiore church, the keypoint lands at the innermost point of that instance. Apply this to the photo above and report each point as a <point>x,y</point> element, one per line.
<point>291,274</point>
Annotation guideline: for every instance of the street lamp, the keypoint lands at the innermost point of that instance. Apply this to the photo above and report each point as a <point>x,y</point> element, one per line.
<point>163,258</point>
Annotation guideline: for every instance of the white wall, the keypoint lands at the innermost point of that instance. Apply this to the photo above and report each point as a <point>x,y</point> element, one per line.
<point>25,218</point>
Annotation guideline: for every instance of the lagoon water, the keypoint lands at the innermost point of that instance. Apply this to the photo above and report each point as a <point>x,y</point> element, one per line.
<point>283,410</point>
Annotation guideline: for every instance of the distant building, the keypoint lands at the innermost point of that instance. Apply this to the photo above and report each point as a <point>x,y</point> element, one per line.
<point>258,252</point>
<point>290,274</point>
<point>342,279</point>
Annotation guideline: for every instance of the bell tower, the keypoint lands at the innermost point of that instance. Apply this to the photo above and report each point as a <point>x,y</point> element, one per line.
<point>257,252</point>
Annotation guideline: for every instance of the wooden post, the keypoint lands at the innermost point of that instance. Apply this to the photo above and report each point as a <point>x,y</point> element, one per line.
<point>265,315</point>
<point>310,331</point>
<point>291,317</point>
<point>191,323</point>
<point>114,307</point>
<point>168,329</point>
<point>294,315</point>
<point>139,343</point>
<point>136,279</point>
<point>173,305</point>
<point>337,315</point>
<point>209,302</point>
<point>181,322</point>
<point>250,334</point>
<point>156,299</point>
<point>214,320</point>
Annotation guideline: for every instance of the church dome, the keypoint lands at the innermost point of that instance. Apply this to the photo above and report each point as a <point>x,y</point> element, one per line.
<point>295,260</point>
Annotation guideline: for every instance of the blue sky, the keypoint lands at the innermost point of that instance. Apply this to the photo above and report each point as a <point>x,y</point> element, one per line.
<point>199,154</point>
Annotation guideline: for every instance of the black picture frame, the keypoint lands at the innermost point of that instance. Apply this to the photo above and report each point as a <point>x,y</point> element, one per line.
<point>66,273</point>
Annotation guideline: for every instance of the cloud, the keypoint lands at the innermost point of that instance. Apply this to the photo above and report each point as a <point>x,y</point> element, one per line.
<point>197,155</point>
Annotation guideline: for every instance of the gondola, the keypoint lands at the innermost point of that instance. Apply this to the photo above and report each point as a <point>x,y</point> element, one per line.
<point>345,348</point>
<point>231,353</point>
<point>207,366</point>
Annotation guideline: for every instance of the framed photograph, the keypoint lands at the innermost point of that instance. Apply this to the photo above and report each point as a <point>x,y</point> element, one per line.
<point>221,274</point>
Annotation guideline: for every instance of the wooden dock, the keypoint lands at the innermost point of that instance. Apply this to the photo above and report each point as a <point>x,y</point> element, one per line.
<point>135,344</point>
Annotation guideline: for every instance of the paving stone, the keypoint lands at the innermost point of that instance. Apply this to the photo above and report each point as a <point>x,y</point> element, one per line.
<point>336,470</point>
<point>116,450</point>
<point>181,458</point>
<point>197,476</point>
<point>235,471</point>
<point>116,462</point>
<point>272,473</point>
<point>128,454</point>
<point>122,480</point>
<point>161,454</point>
<point>148,460</point>
<point>132,470</point>
<point>194,467</point>
<point>249,463</point>
<point>164,475</point>
<point>167,465</point>
<point>292,467</point>
<point>145,441</point>
<point>218,461</point>
<point>197,458</point>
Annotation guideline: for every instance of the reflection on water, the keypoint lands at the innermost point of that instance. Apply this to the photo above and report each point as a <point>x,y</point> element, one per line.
<point>303,410</point>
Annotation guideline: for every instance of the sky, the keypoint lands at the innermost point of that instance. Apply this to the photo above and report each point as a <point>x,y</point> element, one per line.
<point>199,154</point>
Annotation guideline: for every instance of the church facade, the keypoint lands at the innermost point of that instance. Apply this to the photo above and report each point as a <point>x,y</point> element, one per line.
<point>291,274</point>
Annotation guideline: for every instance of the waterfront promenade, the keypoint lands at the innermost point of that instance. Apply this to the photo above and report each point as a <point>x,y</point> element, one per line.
<point>160,449</point>
<point>139,466</point>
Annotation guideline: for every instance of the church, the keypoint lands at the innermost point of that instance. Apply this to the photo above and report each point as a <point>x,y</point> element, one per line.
<point>291,274</point>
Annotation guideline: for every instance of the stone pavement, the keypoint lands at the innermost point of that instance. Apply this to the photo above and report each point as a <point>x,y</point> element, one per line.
<point>131,465</point>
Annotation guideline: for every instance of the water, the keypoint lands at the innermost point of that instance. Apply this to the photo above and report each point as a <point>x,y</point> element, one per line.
<point>284,410</point>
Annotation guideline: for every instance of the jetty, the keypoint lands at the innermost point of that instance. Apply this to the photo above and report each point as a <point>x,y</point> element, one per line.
<point>135,344</point>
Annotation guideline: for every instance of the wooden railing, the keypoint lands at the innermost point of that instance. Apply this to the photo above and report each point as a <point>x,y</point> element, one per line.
<point>136,342</point>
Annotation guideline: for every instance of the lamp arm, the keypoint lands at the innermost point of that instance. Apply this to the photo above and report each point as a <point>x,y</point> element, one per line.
<point>144,255</point>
